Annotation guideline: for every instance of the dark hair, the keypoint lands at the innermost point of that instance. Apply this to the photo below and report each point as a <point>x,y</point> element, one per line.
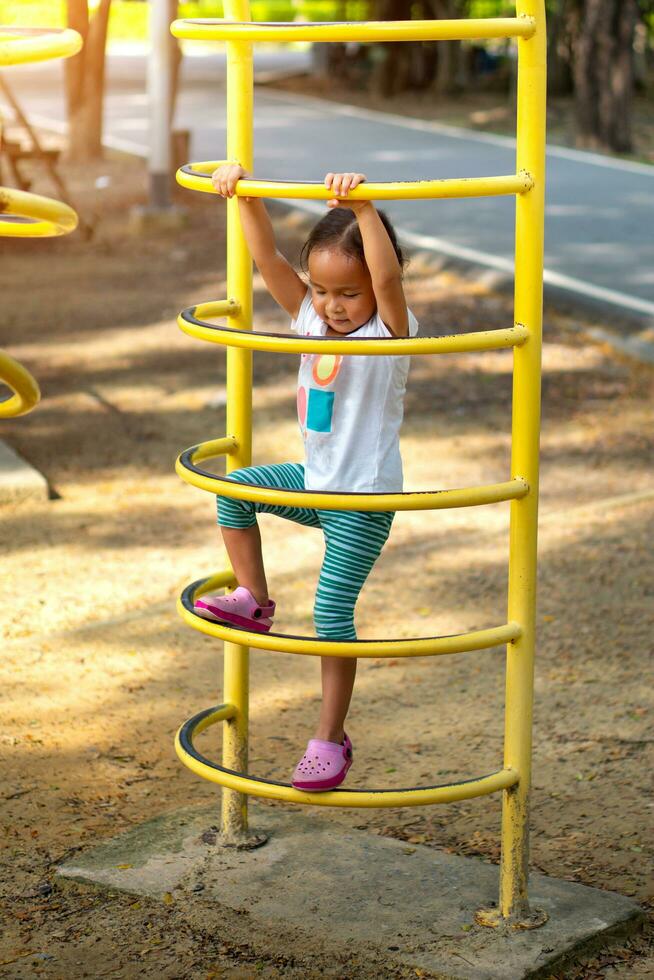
<point>339,229</point>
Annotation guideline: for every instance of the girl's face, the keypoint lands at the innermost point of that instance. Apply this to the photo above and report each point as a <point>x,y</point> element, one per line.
<point>341,290</point>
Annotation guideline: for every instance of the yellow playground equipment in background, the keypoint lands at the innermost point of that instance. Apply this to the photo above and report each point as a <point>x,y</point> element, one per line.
<point>524,337</point>
<point>24,215</point>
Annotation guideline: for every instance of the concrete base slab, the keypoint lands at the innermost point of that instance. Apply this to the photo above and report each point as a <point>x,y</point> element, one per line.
<point>331,889</point>
<point>19,480</point>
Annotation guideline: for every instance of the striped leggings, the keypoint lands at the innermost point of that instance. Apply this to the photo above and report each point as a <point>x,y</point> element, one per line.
<point>353,542</point>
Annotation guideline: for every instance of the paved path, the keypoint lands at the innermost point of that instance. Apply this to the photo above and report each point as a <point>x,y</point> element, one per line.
<point>600,211</point>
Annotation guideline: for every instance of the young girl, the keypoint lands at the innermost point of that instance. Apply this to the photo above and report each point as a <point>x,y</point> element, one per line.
<point>350,412</point>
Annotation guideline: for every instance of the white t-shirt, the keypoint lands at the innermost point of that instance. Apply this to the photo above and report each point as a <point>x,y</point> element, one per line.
<point>350,410</point>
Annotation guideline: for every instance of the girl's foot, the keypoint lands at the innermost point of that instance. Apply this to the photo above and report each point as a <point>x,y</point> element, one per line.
<point>323,766</point>
<point>239,608</point>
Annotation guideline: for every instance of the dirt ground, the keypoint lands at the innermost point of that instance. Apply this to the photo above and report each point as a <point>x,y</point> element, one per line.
<point>97,670</point>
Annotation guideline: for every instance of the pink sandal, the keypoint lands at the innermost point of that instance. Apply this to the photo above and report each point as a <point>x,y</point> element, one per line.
<point>323,766</point>
<point>238,608</point>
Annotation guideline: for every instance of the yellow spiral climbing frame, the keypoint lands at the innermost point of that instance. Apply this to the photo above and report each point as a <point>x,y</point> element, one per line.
<point>524,337</point>
<point>24,215</point>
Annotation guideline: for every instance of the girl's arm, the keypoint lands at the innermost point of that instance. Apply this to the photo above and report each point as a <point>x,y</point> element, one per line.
<point>282,281</point>
<point>385,270</point>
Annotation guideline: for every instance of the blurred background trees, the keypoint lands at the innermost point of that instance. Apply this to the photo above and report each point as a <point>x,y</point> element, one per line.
<point>84,76</point>
<point>600,53</point>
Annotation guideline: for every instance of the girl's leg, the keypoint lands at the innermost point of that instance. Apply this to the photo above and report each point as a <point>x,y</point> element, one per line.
<point>249,605</point>
<point>354,542</point>
<point>243,545</point>
<point>238,522</point>
<point>338,675</point>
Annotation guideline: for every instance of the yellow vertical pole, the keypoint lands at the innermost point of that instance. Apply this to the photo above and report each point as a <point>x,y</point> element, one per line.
<point>239,398</point>
<point>514,903</point>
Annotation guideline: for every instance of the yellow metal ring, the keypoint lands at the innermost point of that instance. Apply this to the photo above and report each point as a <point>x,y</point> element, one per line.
<point>197,177</point>
<point>398,30</point>
<point>269,788</point>
<point>423,646</point>
<point>26,393</point>
<point>491,493</point>
<point>24,215</point>
<point>22,45</point>
<point>191,322</point>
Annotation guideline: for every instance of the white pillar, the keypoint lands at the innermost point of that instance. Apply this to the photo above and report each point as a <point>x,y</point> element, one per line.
<point>159,88</point>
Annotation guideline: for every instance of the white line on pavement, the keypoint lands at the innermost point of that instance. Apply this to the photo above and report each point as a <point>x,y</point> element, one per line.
<point>459,132</point>
<point>111,142</point>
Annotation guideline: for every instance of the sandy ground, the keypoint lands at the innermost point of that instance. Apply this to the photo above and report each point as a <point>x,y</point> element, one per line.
<point>97,671</point>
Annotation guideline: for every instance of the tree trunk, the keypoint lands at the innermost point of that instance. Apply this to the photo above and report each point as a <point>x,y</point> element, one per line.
<point>561,25</point>
<point>84,76</point>
<point>390,78</point>
<point>616,103</point>
<point>604,74</point>
<point>448,53</point>
<point>176,61</point>
<point>406,65</point>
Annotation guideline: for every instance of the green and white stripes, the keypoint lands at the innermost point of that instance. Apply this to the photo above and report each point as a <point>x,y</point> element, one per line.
<point>353,539</point>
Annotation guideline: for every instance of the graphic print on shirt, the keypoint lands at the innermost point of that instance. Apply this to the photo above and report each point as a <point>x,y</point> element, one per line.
<point>315,407</point>
<point>325,368</point>
<point>302,408</point>
<point>320,410</point>
<point>351,445</point>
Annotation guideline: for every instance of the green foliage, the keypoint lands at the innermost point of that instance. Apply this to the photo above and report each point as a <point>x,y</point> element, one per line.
<point>33,13</point>
<point>286,10</point>
<point>128,21</point>
<point>272,10</point>
<point>490,8</point>
<point>201,8</point>
<point>129,18</point>
<point>332,9</point>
